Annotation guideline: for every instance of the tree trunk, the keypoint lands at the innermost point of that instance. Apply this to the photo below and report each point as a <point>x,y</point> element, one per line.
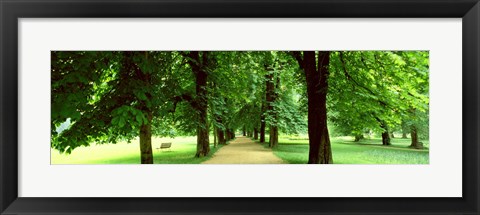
<point>221,137</point>
<point>320,151</point>
<point>230,134</point>
<point>404,134</point>
<point>214,136</point>
<point>244,131</point>
<point>220,132</point>
<point>273,141</point>
<point>385,138</point>
<point>198,63</point>
<point>255,133</point>
<point>145,133</point>
<point>265,105</point>
<point>262,126</point>
<point>391,134</point>
<point>270,99</point>
<point>414,134</point>
<point>358,137</point>
<point>385,134</point>
<point>203,147</point>
<point>146,142</point>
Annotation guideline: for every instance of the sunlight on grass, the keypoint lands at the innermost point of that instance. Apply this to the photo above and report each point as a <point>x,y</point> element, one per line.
<point>182,152</point>
<point>345,151</point>
<point>293,150</point>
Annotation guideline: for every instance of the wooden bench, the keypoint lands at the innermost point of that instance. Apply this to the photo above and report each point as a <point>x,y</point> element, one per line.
<point>165,146</point>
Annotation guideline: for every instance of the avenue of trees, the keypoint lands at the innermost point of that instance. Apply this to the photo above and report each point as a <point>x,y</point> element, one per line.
<point>111,96</point>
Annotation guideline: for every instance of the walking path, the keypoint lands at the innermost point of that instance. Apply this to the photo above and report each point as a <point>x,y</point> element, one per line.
<point>243,150</point>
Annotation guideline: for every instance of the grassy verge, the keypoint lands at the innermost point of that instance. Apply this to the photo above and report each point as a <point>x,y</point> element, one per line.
<point>345,151</point>
<point>182,152</point>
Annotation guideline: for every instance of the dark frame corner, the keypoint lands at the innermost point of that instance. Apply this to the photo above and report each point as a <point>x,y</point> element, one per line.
<point>11,11</point>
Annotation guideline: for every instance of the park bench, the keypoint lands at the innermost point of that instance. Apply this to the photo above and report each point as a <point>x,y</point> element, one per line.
<point>165,146</point>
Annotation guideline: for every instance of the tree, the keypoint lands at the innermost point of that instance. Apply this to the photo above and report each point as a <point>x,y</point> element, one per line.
<point>201,63</point>
<point>107,96</point>
<point>374,90</point>
<point>315,66</point>
<point>111,96</point>
<point>270,97</point>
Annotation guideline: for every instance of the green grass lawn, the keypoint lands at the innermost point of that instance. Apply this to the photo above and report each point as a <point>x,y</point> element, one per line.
<point>293,150</point>
<point>345,151</point>
<point>182,152</point>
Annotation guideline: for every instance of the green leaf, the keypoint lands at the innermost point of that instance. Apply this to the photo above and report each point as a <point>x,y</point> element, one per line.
<point>121,122</point>
<point>139,118</point>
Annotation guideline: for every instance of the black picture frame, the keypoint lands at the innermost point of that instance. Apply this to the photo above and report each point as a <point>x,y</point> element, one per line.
<point>11,11</point>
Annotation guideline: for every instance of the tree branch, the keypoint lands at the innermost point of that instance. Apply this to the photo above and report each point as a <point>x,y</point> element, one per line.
<point>350,78</point>
<point>298,56</point>
<point>183,98</point>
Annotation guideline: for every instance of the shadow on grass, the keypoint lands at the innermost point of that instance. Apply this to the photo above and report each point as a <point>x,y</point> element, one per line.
<point>292,148</point>
<point>349,152</point>
<point>180,156</point>
<point>393,146</point>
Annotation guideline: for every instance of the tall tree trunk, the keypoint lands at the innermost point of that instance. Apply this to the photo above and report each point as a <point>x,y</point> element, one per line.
<point>214,136</point>
<point>198,63</point>
<point>255,133</point>
<point>220,132</point>
<point>391,134</point>
<point>262,125</point>
<point>273,141</point>
<point>320,151</point>
<point>265,105</point>
<point>404,134</point>
<point>414,134</point>
<point>244,131</point>
<point>146,156</point>
<point>221,137</point>
<point>203,147</point>
<point>230,134</point>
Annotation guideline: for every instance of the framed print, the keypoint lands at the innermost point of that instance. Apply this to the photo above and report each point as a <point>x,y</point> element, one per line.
<point>229,100</point>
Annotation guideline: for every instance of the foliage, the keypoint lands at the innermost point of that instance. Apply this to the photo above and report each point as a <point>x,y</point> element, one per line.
<point>347,152</point>
<point>107,96</point>
<point>370,87</point>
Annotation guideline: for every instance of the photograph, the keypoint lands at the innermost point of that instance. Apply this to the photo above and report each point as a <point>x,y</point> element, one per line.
<point>240,107</point>
<point>231,102</point>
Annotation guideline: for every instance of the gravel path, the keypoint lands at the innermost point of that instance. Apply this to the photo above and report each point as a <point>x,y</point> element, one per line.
<point>243,150</point>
